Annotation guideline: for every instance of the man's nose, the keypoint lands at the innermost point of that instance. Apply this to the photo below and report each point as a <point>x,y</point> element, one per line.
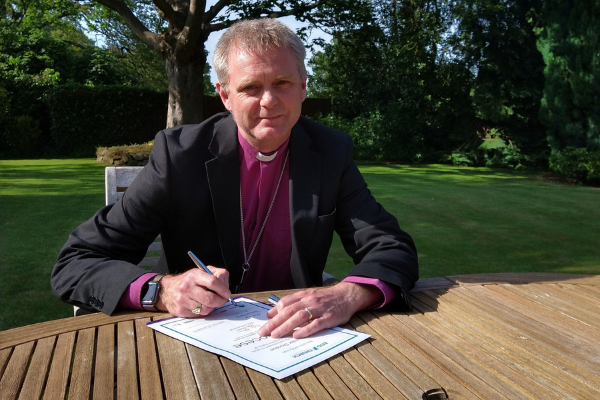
<point>268,98</point>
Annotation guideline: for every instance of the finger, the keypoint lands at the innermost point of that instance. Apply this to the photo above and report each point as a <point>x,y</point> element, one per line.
<point>283,303</point>
<point>212,283</point>
<point>287,326</point>
<point>313,327</point>
<point>221,273</point>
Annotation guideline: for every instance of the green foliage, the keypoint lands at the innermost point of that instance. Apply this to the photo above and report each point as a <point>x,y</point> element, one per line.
<point>84,118</point>
<point>497,40</point>
<point>570,45</point>
<point>490,149</point>
<point>405,97</point>
<point>580,164</point>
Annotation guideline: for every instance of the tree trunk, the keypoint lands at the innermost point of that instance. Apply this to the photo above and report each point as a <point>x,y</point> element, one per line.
<point>186,88</point>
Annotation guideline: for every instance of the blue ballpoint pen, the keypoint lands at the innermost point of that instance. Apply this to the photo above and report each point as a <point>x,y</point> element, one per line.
<point>201,265</point>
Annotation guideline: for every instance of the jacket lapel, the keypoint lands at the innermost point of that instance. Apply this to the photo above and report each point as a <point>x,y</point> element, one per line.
<point>305,181</point>
<point>224,181</point>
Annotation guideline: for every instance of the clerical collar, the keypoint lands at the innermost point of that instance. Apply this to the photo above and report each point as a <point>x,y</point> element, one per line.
<point>249,151</point>
<point>262,157</point>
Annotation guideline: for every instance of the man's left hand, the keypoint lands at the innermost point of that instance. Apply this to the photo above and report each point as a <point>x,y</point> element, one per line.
<point>330,306</point>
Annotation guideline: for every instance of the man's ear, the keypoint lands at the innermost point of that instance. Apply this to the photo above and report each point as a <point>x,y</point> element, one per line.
<point>223,94</point>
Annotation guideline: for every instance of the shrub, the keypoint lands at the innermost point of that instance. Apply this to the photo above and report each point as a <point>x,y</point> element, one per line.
<point>490,149</point>
<point>577,163</point>
<point>84,118</point>
<point>136,154</point>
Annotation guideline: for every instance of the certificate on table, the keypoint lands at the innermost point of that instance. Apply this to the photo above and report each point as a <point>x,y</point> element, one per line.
<point>232,332</point>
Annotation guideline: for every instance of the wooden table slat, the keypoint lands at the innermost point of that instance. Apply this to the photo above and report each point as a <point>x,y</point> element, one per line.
<point>442,359</point>
<point>81,377</point>
<point>210,377</point>
<point>149,373</point>
<point>58,377</point>
<point>396,377</point>
<point>416,375</point>
<point>486,368</point>
<point>238,379</point>
<point>4,357</point>
<point>127,375</point>
<point>556,339</point>
<point>332,382</point>
<point>519,385</point>
<point>38,369</point>
<point>587,312</point>
<point>424,363</point>
<point>311,386</point>
<point>590,290</point>
<point>290,389</point>
<point>41,330</point>
<point>543,313</point>
<point>14,375</point>
<point>264,385</point>
<point>104,371</point>
<point>359,386</point>
<point>523,278</point>
<point>177,376</point>
<point>578,295</point>
<point>488,341</point>
<point>539,363</point>
<point>375,379</point>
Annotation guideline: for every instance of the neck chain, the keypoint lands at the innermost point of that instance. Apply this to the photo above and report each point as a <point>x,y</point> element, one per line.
<point>247,257</point>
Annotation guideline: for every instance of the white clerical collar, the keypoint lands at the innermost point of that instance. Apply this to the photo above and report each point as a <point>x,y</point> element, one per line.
<point>261,157</point>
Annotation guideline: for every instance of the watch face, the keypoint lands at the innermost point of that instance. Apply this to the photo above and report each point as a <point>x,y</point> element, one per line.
<point>151,294</point>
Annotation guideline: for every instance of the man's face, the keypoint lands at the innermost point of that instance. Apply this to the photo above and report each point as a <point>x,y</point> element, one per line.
<point>265,96</point>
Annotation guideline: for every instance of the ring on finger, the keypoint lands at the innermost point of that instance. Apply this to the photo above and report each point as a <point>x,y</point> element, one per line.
<point>310,314</point>
<point>198,309</point>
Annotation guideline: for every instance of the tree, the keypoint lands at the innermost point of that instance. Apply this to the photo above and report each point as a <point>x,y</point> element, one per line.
<point>177,30</point>
<point>570,44</point>
<point>397,80</point>
<point>497,41</point>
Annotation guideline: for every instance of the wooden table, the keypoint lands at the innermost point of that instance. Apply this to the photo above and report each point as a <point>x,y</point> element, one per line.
<point>491,336</point>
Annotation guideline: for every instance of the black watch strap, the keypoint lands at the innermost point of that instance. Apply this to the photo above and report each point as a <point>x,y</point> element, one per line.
<point>150,295</point>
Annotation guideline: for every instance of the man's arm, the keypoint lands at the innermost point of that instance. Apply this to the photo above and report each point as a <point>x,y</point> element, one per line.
<point>379,248</point>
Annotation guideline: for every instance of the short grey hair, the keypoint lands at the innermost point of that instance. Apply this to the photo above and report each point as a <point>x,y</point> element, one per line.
<point>256,36</point>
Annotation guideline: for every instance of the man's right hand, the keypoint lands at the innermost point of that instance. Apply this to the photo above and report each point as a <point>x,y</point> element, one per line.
<point>179,294</point>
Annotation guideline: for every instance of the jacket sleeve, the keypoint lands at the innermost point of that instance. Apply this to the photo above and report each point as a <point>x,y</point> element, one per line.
<point>98,261</point>
<point>373,238</point>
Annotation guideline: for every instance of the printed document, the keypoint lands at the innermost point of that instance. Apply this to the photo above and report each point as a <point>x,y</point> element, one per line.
<point>232,332</point>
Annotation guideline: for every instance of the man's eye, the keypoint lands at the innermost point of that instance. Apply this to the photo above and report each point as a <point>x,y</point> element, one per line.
<point>250,87</point>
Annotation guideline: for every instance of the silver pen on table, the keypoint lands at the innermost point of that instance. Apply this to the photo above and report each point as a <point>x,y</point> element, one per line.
<point>273,299</point>
<point>201,265</point>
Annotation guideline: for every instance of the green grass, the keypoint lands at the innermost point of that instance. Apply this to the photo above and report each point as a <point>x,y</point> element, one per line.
<point>463,221</point>
<point>466,220</point>
<point>41,202</point>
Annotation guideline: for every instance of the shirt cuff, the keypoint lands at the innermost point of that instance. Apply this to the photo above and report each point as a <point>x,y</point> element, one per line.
<point>130,300</point>
<point>388,291</point>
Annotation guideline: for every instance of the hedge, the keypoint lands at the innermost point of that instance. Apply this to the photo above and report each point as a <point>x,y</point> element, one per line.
<point>84,118</point>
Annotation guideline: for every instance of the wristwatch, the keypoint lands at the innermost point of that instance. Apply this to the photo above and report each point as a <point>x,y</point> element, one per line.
<point>150,293</point>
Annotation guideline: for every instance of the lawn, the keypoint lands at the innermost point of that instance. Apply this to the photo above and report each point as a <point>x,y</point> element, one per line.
<point>463,221</point>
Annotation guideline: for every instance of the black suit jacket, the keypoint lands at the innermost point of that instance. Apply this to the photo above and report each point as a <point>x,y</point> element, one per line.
<point>189,193</point>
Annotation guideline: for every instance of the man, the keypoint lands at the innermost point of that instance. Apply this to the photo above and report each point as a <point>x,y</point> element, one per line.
<point>256,195</point>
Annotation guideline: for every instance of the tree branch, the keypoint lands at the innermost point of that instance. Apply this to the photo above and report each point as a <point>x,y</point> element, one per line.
<point>260,14</point>
<point>148,37</point>
<point>168,11</point>
<point>214,10</point>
